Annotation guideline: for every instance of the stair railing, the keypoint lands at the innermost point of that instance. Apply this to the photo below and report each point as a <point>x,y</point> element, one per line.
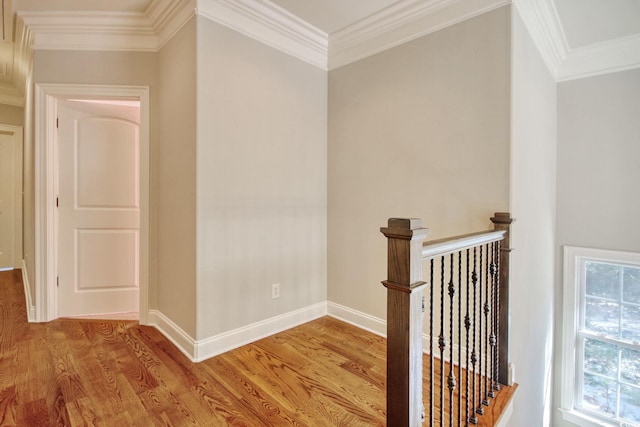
<point>468,309</point>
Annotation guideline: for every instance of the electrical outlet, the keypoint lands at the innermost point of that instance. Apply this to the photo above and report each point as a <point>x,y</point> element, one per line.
<point>275,291</point>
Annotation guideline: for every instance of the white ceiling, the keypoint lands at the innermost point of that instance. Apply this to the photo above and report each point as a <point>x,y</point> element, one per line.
<point>576,38</point>
<point>587,22</point>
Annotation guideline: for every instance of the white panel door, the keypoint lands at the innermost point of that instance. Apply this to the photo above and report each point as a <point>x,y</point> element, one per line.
<point>98,209</point>
<point>8,176</point>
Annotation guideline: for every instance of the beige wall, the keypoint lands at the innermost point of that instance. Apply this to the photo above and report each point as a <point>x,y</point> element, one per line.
<point>176,180</point>
<point>261,181</point>
<point>598,173</point>
<point>420,130</point>
<point>11,115</point>
<point>533,204</point>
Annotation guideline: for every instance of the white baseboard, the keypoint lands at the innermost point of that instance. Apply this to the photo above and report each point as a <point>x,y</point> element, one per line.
<point>185,343</point>
<point>31,308</point>
<point>358,318</point>
<point>235,338</point>
<point>199,350</point>
<point>379,327</point>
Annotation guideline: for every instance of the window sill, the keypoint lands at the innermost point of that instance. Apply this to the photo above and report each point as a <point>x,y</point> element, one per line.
<point>584,420</point>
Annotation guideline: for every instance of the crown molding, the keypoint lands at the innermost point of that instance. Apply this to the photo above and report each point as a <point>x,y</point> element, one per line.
<point>167,17</point>
<point>400,23</point>
<point>541,20</point>
<point>601,58</point>
<point>270,24</point>
<point>13,94</point>
<point>90,30</point>
<point>565,63</point>
<point>122,31</point>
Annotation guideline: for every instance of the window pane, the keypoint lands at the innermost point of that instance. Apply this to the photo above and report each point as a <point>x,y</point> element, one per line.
<point>603,317</point>
<point>630,403</point>
<point>632,284</point>
<point>630,368</point>
<point>599,394</point>
<point>631,323</point>
<point>603,280</point>
<point>601,358</point>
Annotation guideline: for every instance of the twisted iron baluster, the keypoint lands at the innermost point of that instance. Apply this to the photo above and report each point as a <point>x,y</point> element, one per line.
<point>460,335</point>
<point>441,341</point>
<point>479,408</point>
<point>474,357</point>
<point>496,385</point>
<point>431,371</point>
<point>487,356</point>
<point>492,339</point>
<point>451,380</point>
<point>467,326</point>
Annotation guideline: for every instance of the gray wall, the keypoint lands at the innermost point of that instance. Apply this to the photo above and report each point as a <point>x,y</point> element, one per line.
<point>533,204</point>
<point>420,130</point>
<point>598,172</point>
<point>261,181</point>
<point>599,162</point>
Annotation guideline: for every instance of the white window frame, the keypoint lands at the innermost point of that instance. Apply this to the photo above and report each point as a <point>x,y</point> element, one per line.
<point>573,293</point>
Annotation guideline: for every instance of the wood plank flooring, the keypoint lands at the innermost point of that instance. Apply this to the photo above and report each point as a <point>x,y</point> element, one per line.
<point>118,373</point>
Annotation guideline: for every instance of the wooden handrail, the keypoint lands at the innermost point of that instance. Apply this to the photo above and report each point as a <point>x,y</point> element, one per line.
<point>434,248</point>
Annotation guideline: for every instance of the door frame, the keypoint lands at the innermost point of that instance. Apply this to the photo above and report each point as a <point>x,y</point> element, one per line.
<point>16,133</point>
<point>46,173</point>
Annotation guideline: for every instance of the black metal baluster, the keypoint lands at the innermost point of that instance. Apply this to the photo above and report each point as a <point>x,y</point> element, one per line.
<point>492,339</point>
<point>441,341</point>
<point>467,327</point>
<point>431,370</point>
<point>479,408</point>
<point>474,357</point>
<point>496,385</point>
<point>459,336</point>
<point>451,380</point>
<point>487,355</point>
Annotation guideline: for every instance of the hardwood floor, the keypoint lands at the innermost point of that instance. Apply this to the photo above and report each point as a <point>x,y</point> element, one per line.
<point>117,373</point>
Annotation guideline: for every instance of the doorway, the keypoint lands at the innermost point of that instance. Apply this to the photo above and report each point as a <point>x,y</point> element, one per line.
<point>10,197</point>
<point>97,242</point>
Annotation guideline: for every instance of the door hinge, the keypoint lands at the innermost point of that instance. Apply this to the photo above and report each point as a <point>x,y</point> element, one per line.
<point>57,202</point>
<point>57,123</point>
<point>57,282</point>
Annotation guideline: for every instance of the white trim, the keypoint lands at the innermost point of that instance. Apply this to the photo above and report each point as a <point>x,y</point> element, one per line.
<point>90,30</point>
<point>357,318</point>
<point>235,338</point>
<point>601,58</point>
<point>199,350</point>
<point>31,308</point>
<point>182,340</point>
<point>120,31</point>
<point>167,17</point>
<point>46,97</point>
<point>270,24</point>
<point>543,24</point>
<point>402,22</point>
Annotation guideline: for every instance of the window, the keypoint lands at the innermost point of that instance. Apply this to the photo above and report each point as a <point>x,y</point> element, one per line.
<point>601,346</point>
